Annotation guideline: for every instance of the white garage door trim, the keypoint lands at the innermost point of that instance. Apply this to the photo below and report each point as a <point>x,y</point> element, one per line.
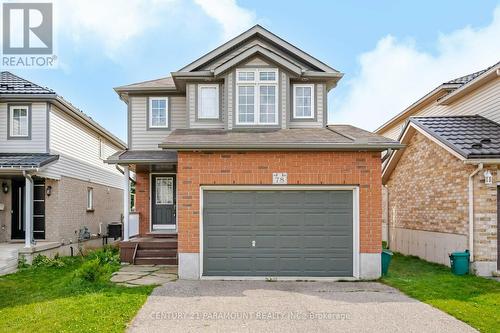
<point>355,222</point>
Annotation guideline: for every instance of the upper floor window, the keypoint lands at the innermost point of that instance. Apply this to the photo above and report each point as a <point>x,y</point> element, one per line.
<point>19,121</point>
<point>303,106</point>
<point>158,112</point>
<point>208,101</point>
<point>256,96</point>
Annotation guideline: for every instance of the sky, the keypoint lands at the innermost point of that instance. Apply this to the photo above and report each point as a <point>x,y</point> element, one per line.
<point>392,52</point>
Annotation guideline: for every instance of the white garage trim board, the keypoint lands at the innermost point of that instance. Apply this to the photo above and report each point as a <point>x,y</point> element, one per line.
<point>355,193</point>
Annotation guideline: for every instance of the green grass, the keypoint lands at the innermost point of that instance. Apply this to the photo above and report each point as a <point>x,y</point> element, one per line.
<point>50,299</point>
<point>472,299</point>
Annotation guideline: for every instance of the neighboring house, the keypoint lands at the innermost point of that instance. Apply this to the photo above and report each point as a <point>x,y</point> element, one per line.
<point>238,171</point>
<point>442,192</point>
<point>52,174</point>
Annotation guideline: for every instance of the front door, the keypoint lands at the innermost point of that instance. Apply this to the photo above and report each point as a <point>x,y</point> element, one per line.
<point>163,202</point>
<point>17,220</point>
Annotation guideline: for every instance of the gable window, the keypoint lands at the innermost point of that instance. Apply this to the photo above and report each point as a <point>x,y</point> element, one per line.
<point>90,198</point>
<point>256,96</point>
<point>158,112</point>
<point>303,106</point>
<point>208,101</point>
<point>19,119</point>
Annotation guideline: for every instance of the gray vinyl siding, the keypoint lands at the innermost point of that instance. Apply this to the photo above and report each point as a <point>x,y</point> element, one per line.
<point>38,141</point>
<point>319,109</point>
<point>79,149</point>
<point>285,95</point>
<point>230,99</point>
<point>484,101</point>
<point>192,104</point>
<point>145,139</point>
<point>250,44</point>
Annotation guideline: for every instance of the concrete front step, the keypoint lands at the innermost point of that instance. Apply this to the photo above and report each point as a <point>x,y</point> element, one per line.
<point>156,261</point>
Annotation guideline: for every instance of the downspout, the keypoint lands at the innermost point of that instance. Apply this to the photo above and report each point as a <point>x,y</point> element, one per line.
<point>28,215</point>
<point>471,210</point>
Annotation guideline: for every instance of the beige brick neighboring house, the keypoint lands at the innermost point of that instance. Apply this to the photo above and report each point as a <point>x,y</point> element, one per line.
<point>53,177</point>
<point>428,190</point>
<point>473,94</point>
<point>64,218</point>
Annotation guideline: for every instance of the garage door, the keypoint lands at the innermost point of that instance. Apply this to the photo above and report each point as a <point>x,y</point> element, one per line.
<point>278,233</point>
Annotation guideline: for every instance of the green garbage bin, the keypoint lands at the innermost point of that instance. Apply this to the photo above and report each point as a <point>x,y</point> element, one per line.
<point>386,260</point>
<point>460,262</point>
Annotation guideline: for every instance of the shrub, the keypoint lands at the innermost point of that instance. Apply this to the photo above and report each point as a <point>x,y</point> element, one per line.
<point>93,271</point>
<point>106,255</point>
<point>44,261</point>
<point>22,263</point>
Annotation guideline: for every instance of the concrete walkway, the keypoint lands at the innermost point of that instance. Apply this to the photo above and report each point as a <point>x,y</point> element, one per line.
<point>258,306</point>
<point>141,275</point>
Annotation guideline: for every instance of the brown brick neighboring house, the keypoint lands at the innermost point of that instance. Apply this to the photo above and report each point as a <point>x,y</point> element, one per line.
<point>239,175</point>
<point>429,184</point>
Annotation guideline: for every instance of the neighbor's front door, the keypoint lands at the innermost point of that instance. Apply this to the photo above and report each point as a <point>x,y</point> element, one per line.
<point>17,221</point>
<point>163,202</point>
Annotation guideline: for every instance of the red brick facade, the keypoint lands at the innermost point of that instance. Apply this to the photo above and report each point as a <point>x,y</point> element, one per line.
<point>142,205</point>
<point>256,168</point>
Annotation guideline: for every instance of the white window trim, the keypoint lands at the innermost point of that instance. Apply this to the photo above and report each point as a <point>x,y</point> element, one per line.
<point>200,102</point>
<point>256,83</point>
<point>11,121</point>
<point>295,86</point>
<point>167,112</point>
<point>90,198</point>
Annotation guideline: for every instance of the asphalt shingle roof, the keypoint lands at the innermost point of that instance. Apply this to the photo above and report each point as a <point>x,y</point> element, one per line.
<point>343,137</point>
<point>138,156</point>
<point>469,77</point>
<point>162,83</point>
<point>13,84</point>
<point>470,136</point>
<point>25,161</point>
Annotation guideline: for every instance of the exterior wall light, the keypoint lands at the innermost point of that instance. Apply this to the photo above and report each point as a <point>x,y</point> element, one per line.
<point>5,188</point>
<point>488,177</point>
<point>49,190</point>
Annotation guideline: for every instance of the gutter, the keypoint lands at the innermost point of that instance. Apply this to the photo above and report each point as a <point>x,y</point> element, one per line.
<point>285,146</point>
<point>471,210</point>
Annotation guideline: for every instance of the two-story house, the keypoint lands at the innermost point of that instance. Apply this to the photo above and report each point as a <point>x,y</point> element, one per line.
<point>442,192</point>
<point>53,177</point>
<point>238,173</point>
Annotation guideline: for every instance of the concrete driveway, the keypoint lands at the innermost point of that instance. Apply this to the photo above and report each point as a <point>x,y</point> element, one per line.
<point>258,306</point>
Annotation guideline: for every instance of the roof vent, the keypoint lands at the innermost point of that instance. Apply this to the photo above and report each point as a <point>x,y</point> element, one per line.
<point>3,85</point>
<point>26,85</point>
<point>477,146</point>
<point>485,141</point>
<point>10,88</point>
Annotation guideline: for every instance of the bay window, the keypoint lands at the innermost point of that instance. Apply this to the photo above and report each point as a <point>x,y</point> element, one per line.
<point>256,96</point>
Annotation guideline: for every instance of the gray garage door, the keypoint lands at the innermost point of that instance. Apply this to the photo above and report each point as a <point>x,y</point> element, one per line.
<point>277,233</point>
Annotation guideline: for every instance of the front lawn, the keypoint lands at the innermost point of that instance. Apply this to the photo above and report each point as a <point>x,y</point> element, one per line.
<point>53,299</point>
<point>472,299</point>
